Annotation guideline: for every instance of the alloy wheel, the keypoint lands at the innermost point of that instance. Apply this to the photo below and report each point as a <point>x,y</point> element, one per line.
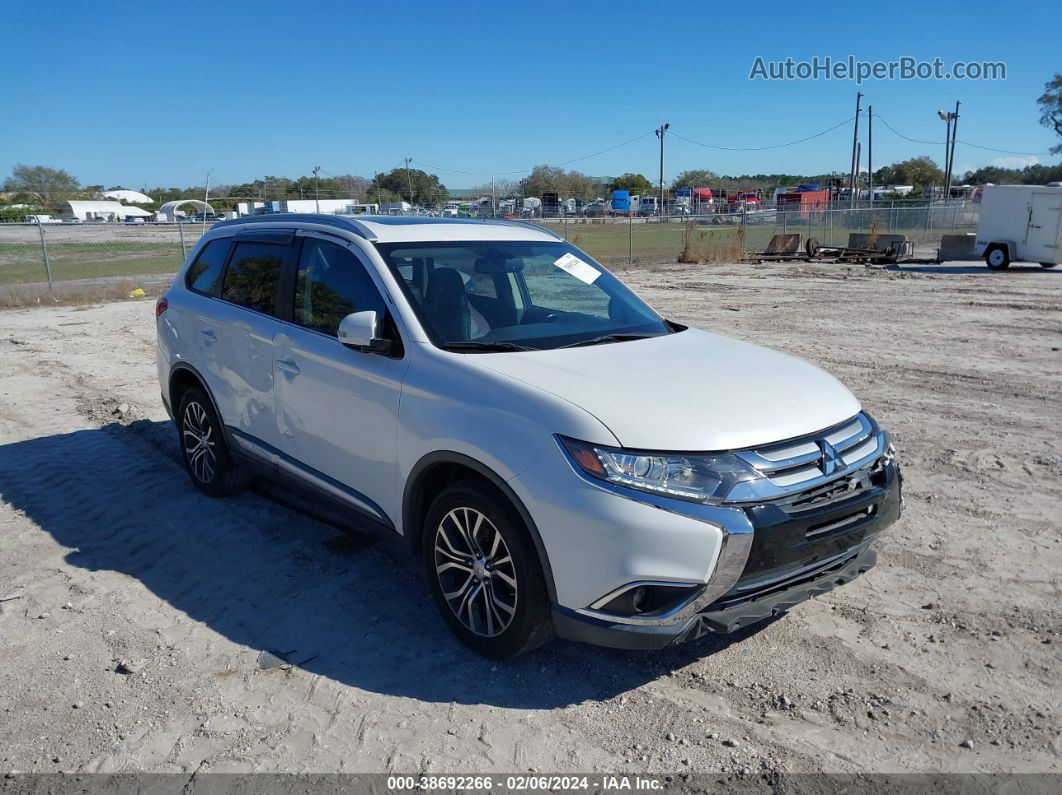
<point>197,437</point>
<point>476,571</point>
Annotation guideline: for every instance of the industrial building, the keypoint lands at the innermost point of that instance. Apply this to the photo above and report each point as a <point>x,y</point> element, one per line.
<point>128,196</point>
<point>328,206</point>
<point>102,211</point>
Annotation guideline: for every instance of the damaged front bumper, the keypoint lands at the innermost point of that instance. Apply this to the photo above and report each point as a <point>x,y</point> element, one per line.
<point>793,556</point>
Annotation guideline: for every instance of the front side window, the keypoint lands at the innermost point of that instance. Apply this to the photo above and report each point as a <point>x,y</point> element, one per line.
<point>253,275</point>
<point>509,294</point>
<point>331,284</point>
<point>203,275</point>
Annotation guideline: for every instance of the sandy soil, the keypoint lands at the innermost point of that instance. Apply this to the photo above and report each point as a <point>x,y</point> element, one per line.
<point>133,609</point>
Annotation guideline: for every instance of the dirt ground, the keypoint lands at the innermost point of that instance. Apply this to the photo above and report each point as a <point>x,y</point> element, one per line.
<point>133,610</point>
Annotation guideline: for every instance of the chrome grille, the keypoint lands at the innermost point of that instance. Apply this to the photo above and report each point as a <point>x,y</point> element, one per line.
<point>810,461</point>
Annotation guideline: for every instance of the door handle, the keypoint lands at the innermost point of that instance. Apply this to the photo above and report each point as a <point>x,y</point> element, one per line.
<point>208,336</point>
<point>288,366</point>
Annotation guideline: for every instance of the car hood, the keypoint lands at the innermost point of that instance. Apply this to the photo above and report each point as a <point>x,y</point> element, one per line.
<point>688,391</point>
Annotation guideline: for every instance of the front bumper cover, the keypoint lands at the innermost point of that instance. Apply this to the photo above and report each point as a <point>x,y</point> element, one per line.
<point>769,586</point>
<point>717,620</point>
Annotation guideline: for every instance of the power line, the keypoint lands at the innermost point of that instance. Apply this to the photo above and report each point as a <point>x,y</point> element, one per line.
<point>905,137</point>
<point>1004,151</point>
<point>964,143</point>
<point>763,148</point>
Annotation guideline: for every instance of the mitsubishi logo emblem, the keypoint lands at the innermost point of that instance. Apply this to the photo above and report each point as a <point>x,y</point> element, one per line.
<point>829,461</point>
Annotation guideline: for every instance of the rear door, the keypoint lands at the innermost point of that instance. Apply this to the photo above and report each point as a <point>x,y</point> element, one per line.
<point>1045,217</point>
<point>337,408</point>
<point>238,345</point>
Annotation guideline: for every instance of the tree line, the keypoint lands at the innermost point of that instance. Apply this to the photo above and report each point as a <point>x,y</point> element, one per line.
<point>48,188</point>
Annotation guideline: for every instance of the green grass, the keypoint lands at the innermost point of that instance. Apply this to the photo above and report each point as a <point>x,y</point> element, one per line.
<point>22,263</point>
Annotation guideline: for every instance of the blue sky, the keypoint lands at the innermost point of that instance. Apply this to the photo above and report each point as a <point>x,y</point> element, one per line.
<point>144,94</point>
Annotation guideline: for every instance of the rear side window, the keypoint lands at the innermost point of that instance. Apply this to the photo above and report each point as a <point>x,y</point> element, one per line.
<point>253,276</point>
<point>331,284</point>
<point>203,275</point>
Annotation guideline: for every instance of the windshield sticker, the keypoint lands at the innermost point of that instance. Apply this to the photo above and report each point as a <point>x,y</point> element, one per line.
<point>583,271</point>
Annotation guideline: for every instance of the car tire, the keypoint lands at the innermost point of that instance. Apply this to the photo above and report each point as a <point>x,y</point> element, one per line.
<point>811,248</point>
<point>997,257</point>
<point>203,450</point>
<point>484,572</point>
<point>1048,264</point>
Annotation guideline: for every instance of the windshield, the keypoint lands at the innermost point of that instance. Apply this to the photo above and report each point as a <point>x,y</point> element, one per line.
<point>510,295</point>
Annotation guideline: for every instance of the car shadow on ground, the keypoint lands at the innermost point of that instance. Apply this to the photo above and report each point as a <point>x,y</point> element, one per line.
<point>267,577</point>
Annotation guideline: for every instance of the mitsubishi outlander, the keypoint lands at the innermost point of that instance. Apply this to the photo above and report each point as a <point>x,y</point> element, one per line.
<point>564,460</point>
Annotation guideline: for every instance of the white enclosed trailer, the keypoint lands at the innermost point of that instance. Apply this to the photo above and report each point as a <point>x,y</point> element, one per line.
<point>1020,222</point>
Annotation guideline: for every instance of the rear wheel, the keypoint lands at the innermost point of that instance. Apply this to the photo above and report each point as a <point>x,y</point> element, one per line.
<point>203,449</point>
<point>997,257</point>
<point>484,572</point>
<point>1048,264</point>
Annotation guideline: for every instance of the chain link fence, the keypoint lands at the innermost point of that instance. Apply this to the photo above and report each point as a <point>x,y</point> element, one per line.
<point>49,254</point>
<point>52,253</point>
<point>725,237</point>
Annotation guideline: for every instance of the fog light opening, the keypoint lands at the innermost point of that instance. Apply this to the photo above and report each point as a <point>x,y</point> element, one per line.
<point>640,599</point>
<point>648,600</point>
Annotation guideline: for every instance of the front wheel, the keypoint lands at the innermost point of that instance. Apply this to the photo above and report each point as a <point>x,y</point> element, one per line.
<point>484,572</point>
<point>997,258</point>
<point>1048,264</point>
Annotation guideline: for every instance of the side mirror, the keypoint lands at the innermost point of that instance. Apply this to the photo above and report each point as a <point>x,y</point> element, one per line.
<point>360,330</point>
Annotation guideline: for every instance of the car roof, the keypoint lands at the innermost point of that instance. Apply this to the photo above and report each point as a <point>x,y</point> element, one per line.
<point>405,228</point>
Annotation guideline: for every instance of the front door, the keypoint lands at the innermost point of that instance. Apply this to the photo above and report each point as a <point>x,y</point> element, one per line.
<point>337,408</point>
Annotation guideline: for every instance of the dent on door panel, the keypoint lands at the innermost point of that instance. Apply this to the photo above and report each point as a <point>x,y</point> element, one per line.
<point>245,355</point>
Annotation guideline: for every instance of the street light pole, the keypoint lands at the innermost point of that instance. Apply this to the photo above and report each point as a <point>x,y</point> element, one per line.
<point>317,188</point>
<point>951,156</point>
<point>409,181</point>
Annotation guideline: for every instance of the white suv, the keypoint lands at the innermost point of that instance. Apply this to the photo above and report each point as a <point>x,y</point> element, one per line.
<point>565,460</point>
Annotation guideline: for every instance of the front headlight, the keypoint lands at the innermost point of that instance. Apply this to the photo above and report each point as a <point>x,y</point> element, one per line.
<point>697,478</point>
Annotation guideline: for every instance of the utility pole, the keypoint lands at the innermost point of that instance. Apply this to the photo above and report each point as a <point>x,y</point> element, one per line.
<point>493,199</point>
<point>855,139</point>
<point>206,200</point>
<point>947,118</point>
<point>951,156</point>
<point>859,159</point>
<point>870,154</point>
<point>317,187</point>
<point>409,180</point>
<point>947,154</point>
<point>661,131</point>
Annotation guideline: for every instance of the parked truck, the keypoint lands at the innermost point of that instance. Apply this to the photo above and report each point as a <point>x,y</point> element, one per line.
<point>1020,222</point>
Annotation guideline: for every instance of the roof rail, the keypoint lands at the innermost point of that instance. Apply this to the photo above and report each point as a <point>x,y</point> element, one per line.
<point>340,221</point>
<point>528,224</point>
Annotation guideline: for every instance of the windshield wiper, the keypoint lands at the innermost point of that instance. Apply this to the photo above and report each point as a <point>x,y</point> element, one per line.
<point>484,347</point>
<point>609,338</point>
